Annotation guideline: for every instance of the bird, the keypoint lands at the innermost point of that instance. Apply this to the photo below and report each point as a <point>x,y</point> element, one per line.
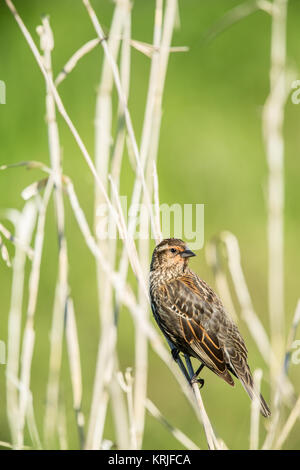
<point>192,317</point>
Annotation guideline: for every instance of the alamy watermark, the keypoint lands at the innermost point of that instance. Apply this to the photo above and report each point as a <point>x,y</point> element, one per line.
<point>295,355</point>
<point>2,92</point>
<point>177,221</point>
<point>296,94</point>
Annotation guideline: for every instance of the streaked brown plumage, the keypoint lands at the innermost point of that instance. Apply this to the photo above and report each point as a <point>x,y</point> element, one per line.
<point>192,317</point>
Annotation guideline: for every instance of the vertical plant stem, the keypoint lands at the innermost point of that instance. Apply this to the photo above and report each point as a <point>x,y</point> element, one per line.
<point>119,409</point>
<point>141,342</point>
<point>24,226</point>
<point>273,117</point>
<point>126,385</point>
<point>255,412</point>
<point>29,333</point>
<point>61,291</point>
<point>123,102</point>
<point>286,429</point>
<point>75,368</point>
<point>247,310</point>
<point>102,381</point>
<point>103,121</point>
<point>62,427</point>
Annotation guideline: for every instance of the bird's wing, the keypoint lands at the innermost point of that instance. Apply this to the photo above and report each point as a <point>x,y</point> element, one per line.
<point>236,358</point>
<point>184,298</point>
<point>236,354</point>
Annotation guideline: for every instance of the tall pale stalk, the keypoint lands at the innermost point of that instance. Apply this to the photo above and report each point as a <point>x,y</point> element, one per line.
<point>24,225</point>
<point>103,136</point>
<point>62,289</point>
<point>29,331</point>
<point>273,117</point>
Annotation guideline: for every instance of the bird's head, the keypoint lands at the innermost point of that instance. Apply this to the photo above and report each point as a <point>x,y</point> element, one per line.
<point>171,254</point>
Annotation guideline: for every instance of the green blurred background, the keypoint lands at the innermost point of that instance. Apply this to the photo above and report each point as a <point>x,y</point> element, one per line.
<point>211,151</point>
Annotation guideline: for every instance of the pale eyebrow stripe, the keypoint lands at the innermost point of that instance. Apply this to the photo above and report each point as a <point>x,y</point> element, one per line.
<point>167,247</point>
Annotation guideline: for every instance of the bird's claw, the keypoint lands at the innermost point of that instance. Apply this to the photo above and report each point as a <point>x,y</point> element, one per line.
<point>194,380</point>
<point>200,382</point>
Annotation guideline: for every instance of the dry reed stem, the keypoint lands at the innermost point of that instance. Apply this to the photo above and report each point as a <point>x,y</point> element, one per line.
<point>286,429</point>
<point>101,384</point>
<point>126,384</point>
<point>273,117</point>
<point>75,367</point>
<point>9,236</point>
<point>129,243</point>
<point>143,47</point>
<point>213,259</point>
<point>247,310</point>
<point>62,427</point>
<point>255,412</point>
<point>61,291</point>
<point>282,378</point>
<point>177,433</point>
<point>291,338</point>
<point>72,62</point>
<point>29,333</point>
<point>156,202</point>
<point>30,165</point>
<point>119,410</point>
<point>24,225</point>
<point>141,342</point>
<point>123,102</point>
<point>32,426</point>
<point>103,121</point>
<point>4,253</point>
<point>212,441</point>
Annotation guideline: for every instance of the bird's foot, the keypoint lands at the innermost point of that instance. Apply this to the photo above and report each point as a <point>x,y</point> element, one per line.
<point>175,353</point>
<point>194,380</point>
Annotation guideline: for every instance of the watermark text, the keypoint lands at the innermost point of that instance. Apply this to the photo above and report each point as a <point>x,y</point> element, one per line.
<point>184,221</point>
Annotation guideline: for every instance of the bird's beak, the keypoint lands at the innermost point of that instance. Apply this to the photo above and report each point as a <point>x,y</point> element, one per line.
<point>187,254</point>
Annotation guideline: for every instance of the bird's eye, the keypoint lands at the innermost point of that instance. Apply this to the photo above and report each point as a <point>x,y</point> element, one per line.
<point>173,250</point>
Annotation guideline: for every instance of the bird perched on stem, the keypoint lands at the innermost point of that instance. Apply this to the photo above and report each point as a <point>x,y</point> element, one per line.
<point>193,318</point>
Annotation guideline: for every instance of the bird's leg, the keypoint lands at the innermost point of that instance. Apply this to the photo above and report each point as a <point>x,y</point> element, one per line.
<point>193,375</point>
<point>175,353</point>
<point>194,378</point>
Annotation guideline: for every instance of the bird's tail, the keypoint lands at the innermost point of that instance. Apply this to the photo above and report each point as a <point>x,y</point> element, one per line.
<point>253,394</point>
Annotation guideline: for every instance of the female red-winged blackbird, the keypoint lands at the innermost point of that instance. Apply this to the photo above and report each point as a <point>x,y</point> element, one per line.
<point>193,318</point>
